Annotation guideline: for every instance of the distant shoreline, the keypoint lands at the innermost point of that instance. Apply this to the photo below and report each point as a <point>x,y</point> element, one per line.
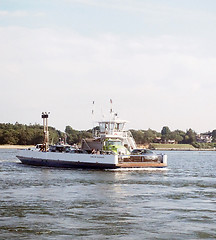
<point>6,146</point>
<point>184,149</point>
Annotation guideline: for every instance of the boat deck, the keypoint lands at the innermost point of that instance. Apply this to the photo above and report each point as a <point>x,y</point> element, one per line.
<point>140,164</point>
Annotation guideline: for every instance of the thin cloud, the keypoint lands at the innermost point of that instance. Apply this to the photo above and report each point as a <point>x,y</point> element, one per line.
<point>159,11</point>
<point>20,14</point>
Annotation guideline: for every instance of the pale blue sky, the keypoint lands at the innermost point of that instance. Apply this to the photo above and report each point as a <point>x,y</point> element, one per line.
<point>155,59</point>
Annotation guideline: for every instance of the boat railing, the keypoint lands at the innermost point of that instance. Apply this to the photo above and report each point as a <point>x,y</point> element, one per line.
<point>121,158</point>
<point>124,134</point>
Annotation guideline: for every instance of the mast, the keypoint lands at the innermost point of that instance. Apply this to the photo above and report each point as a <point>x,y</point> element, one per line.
<point>45,130</point>
<point>111,117</point>
<point>93,111</point>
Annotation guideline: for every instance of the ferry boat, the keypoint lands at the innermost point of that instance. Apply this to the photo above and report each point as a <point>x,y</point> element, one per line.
<point>110,148</point>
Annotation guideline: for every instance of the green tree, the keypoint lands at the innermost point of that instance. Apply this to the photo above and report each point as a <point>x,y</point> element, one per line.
<point>72,135</point>
<point>150,135</point>
<point>165,132</point>
<point>178,136</point>
<point>9,137</point>
<point>190,136</point>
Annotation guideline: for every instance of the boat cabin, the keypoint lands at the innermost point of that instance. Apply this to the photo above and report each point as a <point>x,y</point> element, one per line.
<point>111,126</point>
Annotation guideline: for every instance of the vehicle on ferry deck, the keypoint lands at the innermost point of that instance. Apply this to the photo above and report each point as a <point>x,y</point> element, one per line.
<point>141,155</point>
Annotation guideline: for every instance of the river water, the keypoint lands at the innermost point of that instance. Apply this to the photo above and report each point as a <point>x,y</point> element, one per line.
<point>49,203</point>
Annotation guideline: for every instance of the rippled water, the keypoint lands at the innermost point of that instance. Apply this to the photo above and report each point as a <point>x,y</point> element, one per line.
<point>49,203</point>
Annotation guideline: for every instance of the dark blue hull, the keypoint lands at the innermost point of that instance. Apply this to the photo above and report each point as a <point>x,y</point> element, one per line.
<point>65,164</point>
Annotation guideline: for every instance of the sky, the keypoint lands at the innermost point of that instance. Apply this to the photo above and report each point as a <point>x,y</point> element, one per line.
<point>155,59</point>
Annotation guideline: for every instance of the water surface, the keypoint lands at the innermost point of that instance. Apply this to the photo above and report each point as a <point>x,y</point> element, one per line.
<point>50,203</point>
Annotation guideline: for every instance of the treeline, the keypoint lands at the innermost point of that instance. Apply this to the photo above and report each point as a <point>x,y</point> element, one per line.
<point>20,134</point>
<point>179,136</point>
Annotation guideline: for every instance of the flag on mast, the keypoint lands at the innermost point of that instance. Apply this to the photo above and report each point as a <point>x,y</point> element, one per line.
<point>111,106</point>
<point>93,108</point>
